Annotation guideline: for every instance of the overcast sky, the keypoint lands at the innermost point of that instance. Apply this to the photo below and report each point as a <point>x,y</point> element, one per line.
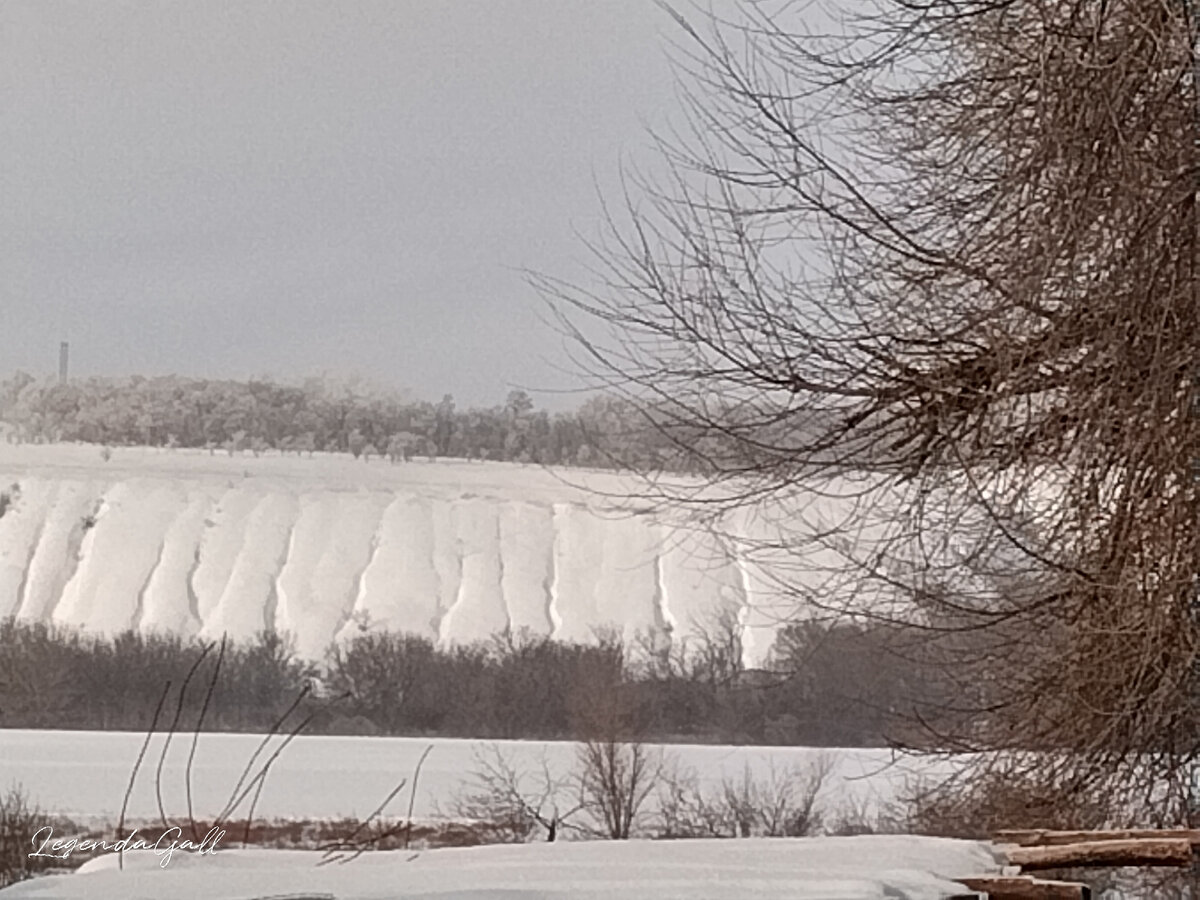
<point>284,189</point>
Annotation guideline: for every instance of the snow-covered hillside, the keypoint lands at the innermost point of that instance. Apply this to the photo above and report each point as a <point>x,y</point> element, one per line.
<point>194,543</point>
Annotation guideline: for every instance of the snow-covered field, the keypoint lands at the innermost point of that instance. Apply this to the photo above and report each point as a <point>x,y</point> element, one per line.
<point>860,868</point>
<point>84,775</point>
<point>203,544</point>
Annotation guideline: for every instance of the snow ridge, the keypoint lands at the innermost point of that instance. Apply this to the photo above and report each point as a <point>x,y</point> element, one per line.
<point>74,540</point>
<point>170,602</point>
<point>199,545</point>
<point>508,618</point>
<point>275,597</point>
<point>139,608</point>
<point>742,567</point>
<point>23,586</point>
<point>552,586</point>
<point>358,597</point>
<point>35,542</point>
<point>662,605</point>
<point>193,600</point>
<point>447,566</point>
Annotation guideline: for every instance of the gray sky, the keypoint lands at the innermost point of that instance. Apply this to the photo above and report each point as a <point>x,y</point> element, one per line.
<point>237,189</point>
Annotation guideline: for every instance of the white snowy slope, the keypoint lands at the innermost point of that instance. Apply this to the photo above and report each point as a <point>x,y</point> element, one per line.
<point>194,543</point>
<point>854,868</point>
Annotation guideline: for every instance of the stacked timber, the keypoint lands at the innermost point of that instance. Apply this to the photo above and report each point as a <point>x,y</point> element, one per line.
<point>1040,849</point>
<point>1127,852</point>
<point>1026,887</point>
<point>1046,838</point>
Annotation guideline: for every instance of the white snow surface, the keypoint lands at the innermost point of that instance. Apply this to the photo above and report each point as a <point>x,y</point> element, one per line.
<point>84,774</point>
<point>193,543</point>
<point>854,868</point>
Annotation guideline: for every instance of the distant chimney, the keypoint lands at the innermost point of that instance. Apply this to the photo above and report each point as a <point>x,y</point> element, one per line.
<point>63,350</point>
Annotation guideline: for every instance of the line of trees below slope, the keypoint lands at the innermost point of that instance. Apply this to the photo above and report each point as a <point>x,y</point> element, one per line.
<point>321,416</point>
<point>829,685</point>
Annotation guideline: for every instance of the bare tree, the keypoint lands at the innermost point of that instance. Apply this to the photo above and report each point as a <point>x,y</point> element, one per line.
<point>920,284</point>
<point>507,805</point>
<point>616,777</point>
<point>781,802</point>
<point>616,769</point>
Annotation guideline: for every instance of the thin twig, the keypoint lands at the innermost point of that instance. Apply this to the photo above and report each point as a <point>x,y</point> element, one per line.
<point>162,757</point>
<point>228,808</point>
<point>412,797</point>
<point>137,765</point>
<point>212,683</point>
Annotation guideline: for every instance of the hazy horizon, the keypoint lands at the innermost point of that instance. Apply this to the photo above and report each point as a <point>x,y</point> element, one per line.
<point>229,190</point>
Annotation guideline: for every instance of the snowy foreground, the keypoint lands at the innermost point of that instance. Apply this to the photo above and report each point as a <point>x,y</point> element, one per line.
<point>83,775</point>
<point>856,868</point>
<point>192,543</point>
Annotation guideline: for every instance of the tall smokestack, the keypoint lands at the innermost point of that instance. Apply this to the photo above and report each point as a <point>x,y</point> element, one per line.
<point>63,351</point>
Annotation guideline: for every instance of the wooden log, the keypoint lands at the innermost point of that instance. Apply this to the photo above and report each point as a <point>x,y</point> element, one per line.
<point>1026,887</point>
<point>1141,852</point>
<point>1044,837</point>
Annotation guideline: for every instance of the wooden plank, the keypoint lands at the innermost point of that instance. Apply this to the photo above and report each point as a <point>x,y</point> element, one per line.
<point>1026,887</point>
<point>1044,837</point>
<point>1140,852</point>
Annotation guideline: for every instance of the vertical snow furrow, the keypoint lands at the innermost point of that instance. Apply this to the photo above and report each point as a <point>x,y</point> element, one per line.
<point>526,545</point>
<point>478,612</point>
<point>54,559</point>
<point>331,547</point>
<point>445,627</point>
<point>276,598</point>
<point>170,604</point>
<point>664,619</point>
<point>121,550</point>
<point>189,585</point>
<point>23,587</point>
<point>139,607</point>
<point>223,540</point>
<point>308,537</point>
<point>552,583</point>
<point>29,502</point>
<point>626,585</point>
<point>508,618</point>
<point>447,562</point>
<point>399,585</point>
<point>77,537</point>
<point>356,601</point>
<point>435,541</point>
<point>70,608</point>
<point>446,620</point>
<point>742,567</point>
<point>450,553</point>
